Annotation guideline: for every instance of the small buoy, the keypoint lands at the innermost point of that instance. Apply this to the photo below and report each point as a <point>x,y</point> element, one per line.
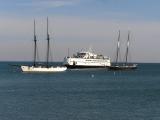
<point>92,76</point>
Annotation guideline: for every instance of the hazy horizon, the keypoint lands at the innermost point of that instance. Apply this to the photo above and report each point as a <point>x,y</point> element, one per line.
<point>80,24</point>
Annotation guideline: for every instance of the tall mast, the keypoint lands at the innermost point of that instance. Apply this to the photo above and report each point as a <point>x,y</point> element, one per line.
<point>48,38</point>
<point>35,44</point>
<point>118,47</point>
<point>127,50</point>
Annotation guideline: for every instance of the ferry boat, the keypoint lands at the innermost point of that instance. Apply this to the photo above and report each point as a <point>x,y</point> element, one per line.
<point>87,59</point>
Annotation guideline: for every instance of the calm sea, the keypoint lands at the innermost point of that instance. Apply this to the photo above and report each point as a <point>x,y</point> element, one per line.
<point>80,94</point>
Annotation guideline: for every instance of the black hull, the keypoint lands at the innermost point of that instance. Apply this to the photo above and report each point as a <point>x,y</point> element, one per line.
<point>122,67</point>
<point>83,67</point>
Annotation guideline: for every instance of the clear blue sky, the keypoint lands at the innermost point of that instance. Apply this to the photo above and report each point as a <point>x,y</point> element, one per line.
<point>128,9</point>
<point>78,24</point>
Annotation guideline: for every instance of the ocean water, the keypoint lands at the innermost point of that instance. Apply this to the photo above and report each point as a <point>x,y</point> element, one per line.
<point>80,94</point>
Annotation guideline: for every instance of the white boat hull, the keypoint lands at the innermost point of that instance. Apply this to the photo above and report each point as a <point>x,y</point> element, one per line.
<point>86,63</point>
<point>42,69</point>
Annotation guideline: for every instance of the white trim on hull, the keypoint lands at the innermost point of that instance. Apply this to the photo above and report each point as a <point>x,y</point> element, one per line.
<point>84,67</point>
<point>42,69</point>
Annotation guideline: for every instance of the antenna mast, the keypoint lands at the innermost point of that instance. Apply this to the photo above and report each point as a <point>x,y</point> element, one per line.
<point>68,52</point>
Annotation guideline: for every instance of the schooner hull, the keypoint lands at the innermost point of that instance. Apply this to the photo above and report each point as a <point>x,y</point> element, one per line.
<point>42,69</point>
<point>130,67</point>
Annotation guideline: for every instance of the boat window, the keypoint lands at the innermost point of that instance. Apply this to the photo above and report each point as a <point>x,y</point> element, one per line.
<point>81,55</point>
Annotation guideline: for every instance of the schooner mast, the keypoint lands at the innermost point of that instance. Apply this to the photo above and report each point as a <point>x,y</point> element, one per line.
<point>127,50</point>
<point>35,45</point>
<point>118,48</point>
<point>48,43</point>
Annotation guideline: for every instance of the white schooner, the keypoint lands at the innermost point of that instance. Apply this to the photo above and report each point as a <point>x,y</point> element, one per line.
<point>44,68</point>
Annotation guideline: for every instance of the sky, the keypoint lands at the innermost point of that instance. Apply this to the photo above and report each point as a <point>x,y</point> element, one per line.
<point>80,25</point>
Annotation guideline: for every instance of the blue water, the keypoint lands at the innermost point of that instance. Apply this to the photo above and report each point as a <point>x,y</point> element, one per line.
<point>80,94</point>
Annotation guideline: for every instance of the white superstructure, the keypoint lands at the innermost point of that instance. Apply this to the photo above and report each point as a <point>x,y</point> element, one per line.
<point>86,59</point>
